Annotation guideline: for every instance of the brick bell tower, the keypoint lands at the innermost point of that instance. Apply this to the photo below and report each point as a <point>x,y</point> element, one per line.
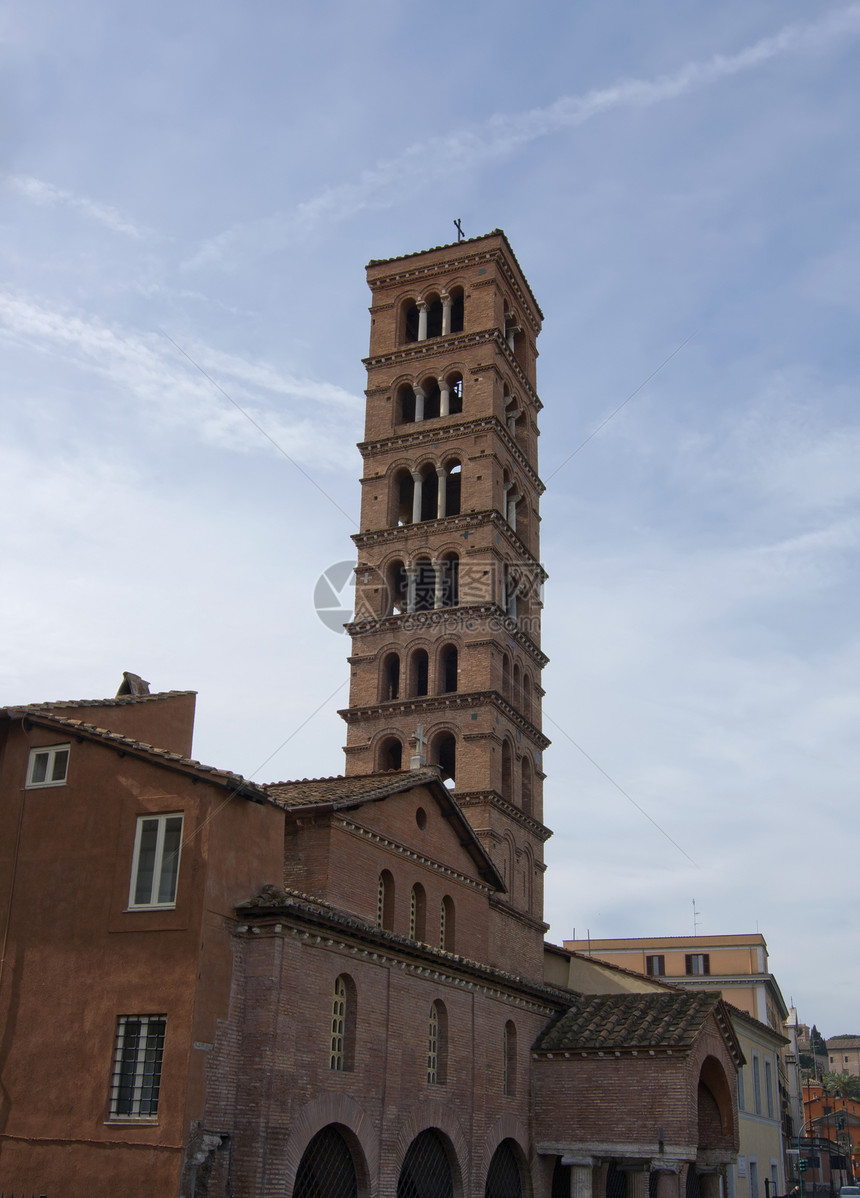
<point>446,660</point>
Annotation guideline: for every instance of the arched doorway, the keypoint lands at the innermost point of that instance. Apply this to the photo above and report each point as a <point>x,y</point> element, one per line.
<point>326,1169</point>
<point>504,1179</point>
<point>426,1171</point>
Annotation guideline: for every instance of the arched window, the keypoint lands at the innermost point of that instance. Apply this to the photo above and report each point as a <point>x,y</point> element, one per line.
<point>326,1168</point>
<point>526,787</point>
<point>417,913</point>
<point>455,393</point>
<point>402,490</point>
<point>419,672</point>
<point>390,677</point>
<point>504,1179</point>
<point>434,316</point>
<point>343,1017</point>
<point>425,585</point>
<point>432,397</point>
<point>509,1058</point>
<point>518,688</point>
<point>410,322</point>
<point>396,581</point>
<point>429,493</point>
<point>450,567</point>
<point>444,754</point>
<point>390,754</point>
<point>507,772</point>
<point>385,902</point>
<point>446,924</point>
<point>426,1169</point>
<point>405,404</point>
<point>506,676</point>
<point>527,696</point>
<point>457,309</point>
<point>437,1045</point>
<point>448,662</point>
<point>453,489</point>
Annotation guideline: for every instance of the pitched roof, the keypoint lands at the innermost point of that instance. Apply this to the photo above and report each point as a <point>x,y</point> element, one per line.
<point>617,1022</point>
<point>343,794</point>
<point>16,711</point>
<point>342,791</point>
<point>38,714</point>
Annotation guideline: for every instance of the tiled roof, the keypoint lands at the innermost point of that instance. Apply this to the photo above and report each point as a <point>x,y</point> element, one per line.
<point>606,1023</point>
<point>737,1012</point>
<point>210,773</point>
<point>272,901</point>
<point>361,787</point>
<point>17,710</point>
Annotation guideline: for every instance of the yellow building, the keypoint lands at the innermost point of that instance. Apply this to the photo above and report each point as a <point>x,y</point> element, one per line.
<point>736,967</point>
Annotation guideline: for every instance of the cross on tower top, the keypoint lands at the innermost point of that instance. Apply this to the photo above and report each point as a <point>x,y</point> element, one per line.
<point>418,760</point>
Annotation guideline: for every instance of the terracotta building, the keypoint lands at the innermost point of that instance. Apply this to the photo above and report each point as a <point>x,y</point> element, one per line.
<point>340,986</point>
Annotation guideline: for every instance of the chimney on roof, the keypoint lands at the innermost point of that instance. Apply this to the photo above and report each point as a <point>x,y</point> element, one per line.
<point>132,684</point>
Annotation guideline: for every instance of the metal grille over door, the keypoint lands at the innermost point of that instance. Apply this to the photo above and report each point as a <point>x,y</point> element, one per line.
<point>426,1172</point>
<point>503,1176</point>
<point>326,1169</point>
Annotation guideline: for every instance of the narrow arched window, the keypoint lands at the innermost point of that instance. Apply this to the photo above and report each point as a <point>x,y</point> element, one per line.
<point>417,913</point>
<point>391,677</point>
<point>509,1058</point>
<point>507,772</point>
<point>457,309</point>
<point>437,1045</point>
<point>518,688</point>
<point>385,902</point>
<point>419,673</point>
<point>527,696</point>
<point>397,583</point>
<point>425,586</point>
<point>453,488</point>
<point>446,924</point>
<point>448,670</point>
<point>526,786</point>
<point>506,676</point>
<point>434,317</point>
<point>405,404</point>
<point>450,567</point>
<point>343,1020</point>
<point>403,487</point>
<point>432,397</point>
<point>445,755</point>
<point>390,754</point>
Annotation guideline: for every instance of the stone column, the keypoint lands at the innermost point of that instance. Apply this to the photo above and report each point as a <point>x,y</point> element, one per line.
<point>422,320</point>
<point>442,495</point>
<point>668,1177</point>
<point>411,580</point>
<point>446,313</point>
<point>637,1181</point>
<point>512,418</point>
<point>513,500</point>
<point>581,1170</point>
<point>419,403</point>
<point>510,334</point>
<point>444,398</point>
<point>709,1184</point>
<point>417,491</point>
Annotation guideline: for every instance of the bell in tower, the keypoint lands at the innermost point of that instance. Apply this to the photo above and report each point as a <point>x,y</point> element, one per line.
<point>446,660</point>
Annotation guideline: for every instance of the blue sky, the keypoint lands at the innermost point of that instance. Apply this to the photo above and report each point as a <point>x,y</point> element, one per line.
<point>212,178</point>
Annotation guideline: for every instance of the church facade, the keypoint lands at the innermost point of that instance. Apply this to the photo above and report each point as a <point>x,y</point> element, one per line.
<point>340,987</point>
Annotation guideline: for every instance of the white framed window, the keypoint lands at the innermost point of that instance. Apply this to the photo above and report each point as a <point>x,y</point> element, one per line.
<point>137,1061</point>
<point>756,1083</point>
<point>155,868</point>
<point>768,1089</point>
<point>48,766</point>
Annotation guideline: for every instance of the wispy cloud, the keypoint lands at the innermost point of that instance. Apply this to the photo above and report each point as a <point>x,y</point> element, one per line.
<point>46,194</point>
<point>304,414</point>
<point>502,135</point>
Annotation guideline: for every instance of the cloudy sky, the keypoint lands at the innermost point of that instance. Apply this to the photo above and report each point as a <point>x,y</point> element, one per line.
<point>189,195</point>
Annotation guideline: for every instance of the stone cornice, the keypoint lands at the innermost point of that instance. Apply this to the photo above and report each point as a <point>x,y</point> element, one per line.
<point>537,925</point>
<point>452,616</point>
<point>451,343</point>
<point>423,435</point>
<point>451,524</point>
<point>454,701</point>
<point>492,798</point>
<point>395,846</point>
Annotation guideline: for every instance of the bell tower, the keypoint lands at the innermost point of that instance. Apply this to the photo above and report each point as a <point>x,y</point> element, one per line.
<point>446,659</point>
